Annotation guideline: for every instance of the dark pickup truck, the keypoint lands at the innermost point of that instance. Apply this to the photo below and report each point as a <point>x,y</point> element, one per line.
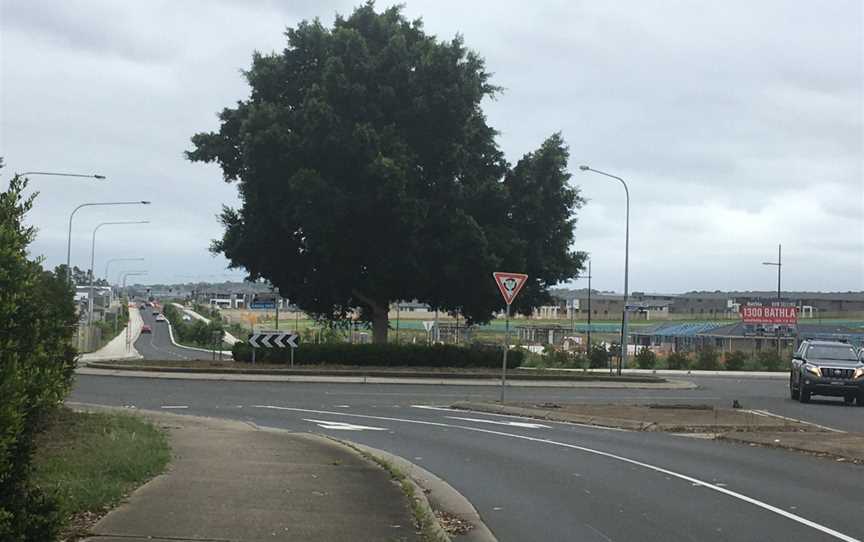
<point>827,368</point>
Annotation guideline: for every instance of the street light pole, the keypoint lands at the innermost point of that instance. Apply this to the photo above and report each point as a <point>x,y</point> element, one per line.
<point>624,334</point>
<point>71,216</point>
<point>113,260</point>
<point>93,260</point>
<point>52,173</point>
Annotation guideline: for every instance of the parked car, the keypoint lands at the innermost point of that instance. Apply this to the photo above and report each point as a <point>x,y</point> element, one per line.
<point>155,312</point>
<point>827,368</point>
<point>161,318</point>
<point>146,329</point>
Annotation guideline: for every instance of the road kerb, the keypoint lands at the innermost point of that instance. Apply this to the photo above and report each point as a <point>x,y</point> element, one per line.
<point>433,492</point>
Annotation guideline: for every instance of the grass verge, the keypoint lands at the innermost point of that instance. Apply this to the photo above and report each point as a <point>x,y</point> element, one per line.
<point>427,524</point>
<point>91,461</point>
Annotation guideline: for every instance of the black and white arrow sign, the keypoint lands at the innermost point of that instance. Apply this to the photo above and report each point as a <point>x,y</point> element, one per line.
<point>273,340</point>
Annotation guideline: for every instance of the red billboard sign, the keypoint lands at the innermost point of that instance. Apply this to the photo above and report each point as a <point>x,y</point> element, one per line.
<point>757,314</point>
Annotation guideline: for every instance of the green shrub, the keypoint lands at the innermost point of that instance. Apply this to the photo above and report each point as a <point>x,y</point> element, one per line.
<point>598,358</point>
<point>678,361</point>
<point>736,361</point>
<point>768,360</point>
<point>194,332</point>
<point>708,359</point>
<point>384,355</point>
<point>37,320</point>
<point>646,359</point>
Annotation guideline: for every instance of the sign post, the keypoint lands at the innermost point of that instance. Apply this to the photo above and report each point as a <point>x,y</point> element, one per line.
<point>273,339</point>
<point>509,285</point>
<point>428,325</point>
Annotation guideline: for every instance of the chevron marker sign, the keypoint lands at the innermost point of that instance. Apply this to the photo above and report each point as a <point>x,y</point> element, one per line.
<point>273,340</point>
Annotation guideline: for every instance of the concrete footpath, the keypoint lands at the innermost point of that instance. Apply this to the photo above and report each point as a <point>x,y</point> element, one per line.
<point>118,347</point>
<point>233,481</point>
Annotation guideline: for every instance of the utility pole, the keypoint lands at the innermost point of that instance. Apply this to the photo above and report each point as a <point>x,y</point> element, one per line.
<point>779,265</point>
<point>589,307</point>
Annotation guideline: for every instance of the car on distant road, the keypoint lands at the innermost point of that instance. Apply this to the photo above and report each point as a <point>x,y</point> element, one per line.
<point>161,318</point>
<point>827,368</point>
<point>186,317</point>
<point>146,329</point>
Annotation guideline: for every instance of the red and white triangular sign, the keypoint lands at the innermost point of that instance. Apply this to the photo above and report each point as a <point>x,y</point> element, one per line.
<point>510,284</point>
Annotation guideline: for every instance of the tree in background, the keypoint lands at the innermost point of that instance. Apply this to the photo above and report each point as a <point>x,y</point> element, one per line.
<point>37,319</point>
<point>368,174</point>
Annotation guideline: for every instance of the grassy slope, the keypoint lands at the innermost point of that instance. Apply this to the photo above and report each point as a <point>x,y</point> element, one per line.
<point>90,461</point>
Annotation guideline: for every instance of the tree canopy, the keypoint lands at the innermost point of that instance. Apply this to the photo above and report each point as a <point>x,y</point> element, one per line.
<point>368,174</point>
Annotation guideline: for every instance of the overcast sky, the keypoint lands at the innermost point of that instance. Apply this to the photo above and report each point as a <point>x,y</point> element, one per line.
<point>738,125</point>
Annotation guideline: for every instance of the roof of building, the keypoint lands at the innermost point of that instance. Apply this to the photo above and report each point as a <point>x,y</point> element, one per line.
<point>678,329</point>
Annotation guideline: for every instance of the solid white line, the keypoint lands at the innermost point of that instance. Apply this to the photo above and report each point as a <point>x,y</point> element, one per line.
<point>695,481</point>
<point>787,418</point>
<point>174,406</point>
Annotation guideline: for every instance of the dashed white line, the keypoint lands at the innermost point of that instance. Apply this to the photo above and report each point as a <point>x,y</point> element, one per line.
<point>174,406</point>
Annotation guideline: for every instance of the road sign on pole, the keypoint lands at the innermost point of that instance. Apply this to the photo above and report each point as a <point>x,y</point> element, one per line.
<point>509,284</point>
<point>274,339</point>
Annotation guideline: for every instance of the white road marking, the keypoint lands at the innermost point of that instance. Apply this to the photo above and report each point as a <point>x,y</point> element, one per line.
<point>740,496</point>
<point>342,426</point>
<point>174,406</point>
<point>511,424</point>
<point>461,411</point>
<point>787,418</point>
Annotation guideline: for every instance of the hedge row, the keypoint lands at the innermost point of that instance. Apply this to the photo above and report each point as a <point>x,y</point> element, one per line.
<point>383,355</point>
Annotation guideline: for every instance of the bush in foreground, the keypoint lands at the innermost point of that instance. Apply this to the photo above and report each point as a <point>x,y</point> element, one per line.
<point>37,319</point>
<point>383,355</point>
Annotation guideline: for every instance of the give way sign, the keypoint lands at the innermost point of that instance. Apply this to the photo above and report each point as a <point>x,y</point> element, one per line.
<point>510,284</point>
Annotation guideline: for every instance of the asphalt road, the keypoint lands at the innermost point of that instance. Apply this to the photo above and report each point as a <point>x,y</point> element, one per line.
<point>157,345</point>
<point>549,481</point>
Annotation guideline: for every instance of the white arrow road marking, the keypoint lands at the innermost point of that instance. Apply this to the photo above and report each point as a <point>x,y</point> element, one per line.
<point>660,470</point>
<point>342,426</point>
<point>511,424</point>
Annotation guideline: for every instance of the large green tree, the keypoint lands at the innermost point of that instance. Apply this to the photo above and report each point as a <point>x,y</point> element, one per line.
<point>368,174</point>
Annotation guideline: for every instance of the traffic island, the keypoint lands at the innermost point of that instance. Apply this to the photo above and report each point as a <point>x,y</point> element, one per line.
<point>754,428</point>
<point>229,367</point>
<point>682,418</point>
<point>831,445</point>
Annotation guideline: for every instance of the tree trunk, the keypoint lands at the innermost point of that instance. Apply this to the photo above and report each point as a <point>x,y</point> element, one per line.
<point>380,323</point>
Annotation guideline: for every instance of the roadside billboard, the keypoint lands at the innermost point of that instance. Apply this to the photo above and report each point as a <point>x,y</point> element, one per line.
<point>772,315</point>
